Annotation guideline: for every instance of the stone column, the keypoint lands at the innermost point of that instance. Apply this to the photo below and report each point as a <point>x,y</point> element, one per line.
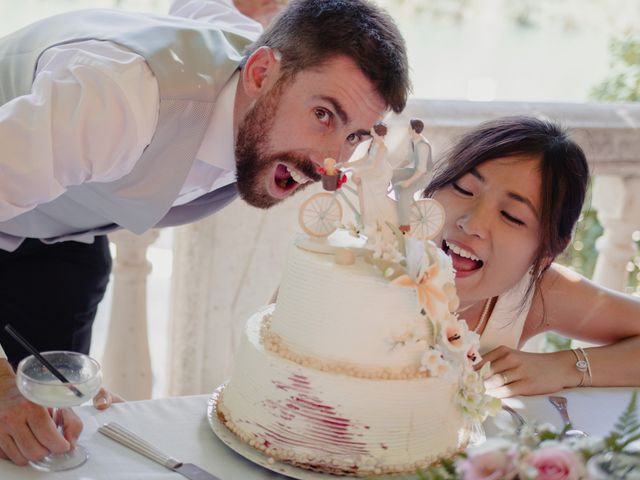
<point>127,362</point>
<point>617,202</point>
<point>224,268</point>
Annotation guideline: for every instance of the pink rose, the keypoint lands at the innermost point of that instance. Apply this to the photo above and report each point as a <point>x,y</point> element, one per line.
<point>557,463</point>
<point>488,465</point>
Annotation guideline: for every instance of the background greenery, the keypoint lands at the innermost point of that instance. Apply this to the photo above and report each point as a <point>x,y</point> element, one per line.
<point>623,84</point>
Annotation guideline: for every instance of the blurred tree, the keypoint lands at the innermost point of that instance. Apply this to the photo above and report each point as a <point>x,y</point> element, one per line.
<point>623,85</point>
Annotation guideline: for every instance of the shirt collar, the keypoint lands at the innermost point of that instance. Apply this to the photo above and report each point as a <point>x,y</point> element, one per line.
<point>218,145</point>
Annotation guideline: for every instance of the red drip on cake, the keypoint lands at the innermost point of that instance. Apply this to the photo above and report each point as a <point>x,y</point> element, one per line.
<point>321,429</point>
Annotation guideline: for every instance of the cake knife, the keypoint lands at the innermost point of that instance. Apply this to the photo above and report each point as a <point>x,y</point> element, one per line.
<point>123,436</point>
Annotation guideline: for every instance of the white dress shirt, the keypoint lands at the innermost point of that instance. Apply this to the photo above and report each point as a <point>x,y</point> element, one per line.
<point>92,110</point>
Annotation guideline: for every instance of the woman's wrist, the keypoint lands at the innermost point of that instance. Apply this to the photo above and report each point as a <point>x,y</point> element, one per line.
<point>572,376</point>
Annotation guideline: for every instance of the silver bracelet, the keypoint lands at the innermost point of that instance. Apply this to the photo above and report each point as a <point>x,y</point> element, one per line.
<point>586,359</point>
<point>582,365</point>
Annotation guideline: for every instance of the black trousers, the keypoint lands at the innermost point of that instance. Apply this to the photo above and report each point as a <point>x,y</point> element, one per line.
<point>50,294</point>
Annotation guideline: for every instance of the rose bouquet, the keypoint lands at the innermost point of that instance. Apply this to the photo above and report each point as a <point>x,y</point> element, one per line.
<point>542,453</point>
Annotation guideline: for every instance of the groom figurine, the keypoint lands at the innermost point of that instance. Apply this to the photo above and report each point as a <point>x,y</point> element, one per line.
<point>407,181</point>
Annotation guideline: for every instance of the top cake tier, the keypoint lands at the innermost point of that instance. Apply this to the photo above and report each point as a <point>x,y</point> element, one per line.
<point>351,313</point>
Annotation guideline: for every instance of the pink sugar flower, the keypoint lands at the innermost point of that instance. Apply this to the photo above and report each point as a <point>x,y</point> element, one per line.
<point>488,465</point>
<point>557,463</point>
<point>473,355</point>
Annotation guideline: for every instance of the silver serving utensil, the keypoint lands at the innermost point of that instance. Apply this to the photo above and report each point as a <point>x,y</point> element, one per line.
<point>561,405</point>
<point>519,419</point>
<point>125,437</point>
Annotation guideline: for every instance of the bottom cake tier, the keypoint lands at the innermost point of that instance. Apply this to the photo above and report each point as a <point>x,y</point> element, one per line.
<point>335,423</point>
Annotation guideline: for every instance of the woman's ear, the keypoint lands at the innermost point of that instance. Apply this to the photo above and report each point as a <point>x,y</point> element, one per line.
<point>260,72</point>
<point>546,262</point>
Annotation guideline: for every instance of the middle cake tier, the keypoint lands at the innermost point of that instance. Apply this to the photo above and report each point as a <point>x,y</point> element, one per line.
<point>352,314</point>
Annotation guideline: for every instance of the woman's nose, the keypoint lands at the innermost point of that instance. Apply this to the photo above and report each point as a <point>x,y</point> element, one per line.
<point>473,222</point>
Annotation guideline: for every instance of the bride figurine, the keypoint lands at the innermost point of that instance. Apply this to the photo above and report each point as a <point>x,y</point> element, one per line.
<point>372,174</point>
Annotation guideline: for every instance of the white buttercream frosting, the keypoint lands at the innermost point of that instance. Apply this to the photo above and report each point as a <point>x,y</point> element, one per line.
<point>351,313</point>
<point>360,368</point>
<point>338,423</point>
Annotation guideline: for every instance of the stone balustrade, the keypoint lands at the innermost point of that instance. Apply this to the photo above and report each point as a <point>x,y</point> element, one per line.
<point>228,265</point>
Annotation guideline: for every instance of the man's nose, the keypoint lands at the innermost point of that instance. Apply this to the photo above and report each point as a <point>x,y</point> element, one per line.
<point>328,151</point>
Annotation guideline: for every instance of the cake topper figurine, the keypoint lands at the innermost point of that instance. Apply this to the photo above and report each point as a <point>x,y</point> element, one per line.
<point>372,174</point>
<point>376,214</point>
<point>412,175</point>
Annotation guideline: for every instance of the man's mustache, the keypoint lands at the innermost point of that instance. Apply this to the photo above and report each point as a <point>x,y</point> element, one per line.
<point>302,163</point>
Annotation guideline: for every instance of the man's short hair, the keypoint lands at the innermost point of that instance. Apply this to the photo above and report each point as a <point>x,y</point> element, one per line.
<point>308,33</point>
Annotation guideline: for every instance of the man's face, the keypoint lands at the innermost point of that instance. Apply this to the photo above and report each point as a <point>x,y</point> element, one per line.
<point>291,128</point>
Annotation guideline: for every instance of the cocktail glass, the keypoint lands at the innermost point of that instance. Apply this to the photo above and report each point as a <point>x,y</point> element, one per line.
<point>40,386</point>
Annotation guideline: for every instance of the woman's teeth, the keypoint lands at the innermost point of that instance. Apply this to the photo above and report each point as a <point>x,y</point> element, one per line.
<point>462,252</point>
<point>297,177</point>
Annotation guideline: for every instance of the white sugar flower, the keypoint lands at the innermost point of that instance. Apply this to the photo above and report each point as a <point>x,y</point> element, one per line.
<point>416,258</point>
<point>433,362</point>
<point>453,336</point>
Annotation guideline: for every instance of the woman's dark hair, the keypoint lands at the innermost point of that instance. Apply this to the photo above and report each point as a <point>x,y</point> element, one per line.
<point>563,170</point>
<point>308,33</point>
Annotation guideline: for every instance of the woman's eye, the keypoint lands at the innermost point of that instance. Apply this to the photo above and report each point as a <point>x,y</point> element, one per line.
<point>511,218</point>
<point>461,190</point>
<point>323,115</point>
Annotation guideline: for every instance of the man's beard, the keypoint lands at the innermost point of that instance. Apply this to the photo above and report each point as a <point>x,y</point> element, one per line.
<point>253,159</point>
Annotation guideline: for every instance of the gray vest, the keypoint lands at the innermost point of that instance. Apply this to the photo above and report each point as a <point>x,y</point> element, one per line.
<point>414,154</point>
<point>191,61</point>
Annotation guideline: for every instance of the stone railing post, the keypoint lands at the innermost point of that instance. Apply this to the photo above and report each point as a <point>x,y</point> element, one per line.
<point>617,202</point>
<point>126,361</point>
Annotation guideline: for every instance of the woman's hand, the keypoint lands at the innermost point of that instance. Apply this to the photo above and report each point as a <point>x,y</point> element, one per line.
<point>513,372</point>
<point>104,398</point>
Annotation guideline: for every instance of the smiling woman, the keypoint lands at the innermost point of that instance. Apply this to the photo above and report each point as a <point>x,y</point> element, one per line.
<point>495,209</point>
<point>512,191</point>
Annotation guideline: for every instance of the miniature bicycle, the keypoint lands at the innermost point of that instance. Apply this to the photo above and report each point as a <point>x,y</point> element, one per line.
<point>321,214</point>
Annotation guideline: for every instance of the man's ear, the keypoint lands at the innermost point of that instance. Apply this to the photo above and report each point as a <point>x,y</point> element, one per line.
<point>260,72</point>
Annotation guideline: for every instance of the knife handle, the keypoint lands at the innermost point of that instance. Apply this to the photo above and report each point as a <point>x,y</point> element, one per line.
<point>123,436</point>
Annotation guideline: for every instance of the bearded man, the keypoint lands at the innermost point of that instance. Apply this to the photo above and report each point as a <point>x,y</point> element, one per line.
<point>111,120</point>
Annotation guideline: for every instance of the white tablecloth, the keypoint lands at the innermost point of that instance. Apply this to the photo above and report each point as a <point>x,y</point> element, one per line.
<point>179,427</point>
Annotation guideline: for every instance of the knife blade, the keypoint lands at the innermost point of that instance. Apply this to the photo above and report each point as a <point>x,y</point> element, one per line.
<point>194,472</point>
<point>130,440</point>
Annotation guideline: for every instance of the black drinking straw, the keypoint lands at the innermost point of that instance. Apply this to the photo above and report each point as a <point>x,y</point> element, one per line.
<point>27,346</point>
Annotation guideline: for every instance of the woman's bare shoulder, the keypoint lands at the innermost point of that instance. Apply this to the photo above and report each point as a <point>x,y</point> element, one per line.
<point>571,304</point>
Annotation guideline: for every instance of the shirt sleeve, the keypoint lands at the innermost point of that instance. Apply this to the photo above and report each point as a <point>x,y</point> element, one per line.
<point>222,12</point>
<point>92,110</point>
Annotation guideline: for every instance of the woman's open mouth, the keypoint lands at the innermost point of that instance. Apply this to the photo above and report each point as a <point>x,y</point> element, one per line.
<point>285,180</point>
<point>464,262</point>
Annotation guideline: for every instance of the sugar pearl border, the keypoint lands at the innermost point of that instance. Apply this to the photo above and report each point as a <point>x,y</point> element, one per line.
<point>273,343</point>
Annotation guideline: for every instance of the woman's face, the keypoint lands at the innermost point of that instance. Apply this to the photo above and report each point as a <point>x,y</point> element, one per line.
<point>491,229</point>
